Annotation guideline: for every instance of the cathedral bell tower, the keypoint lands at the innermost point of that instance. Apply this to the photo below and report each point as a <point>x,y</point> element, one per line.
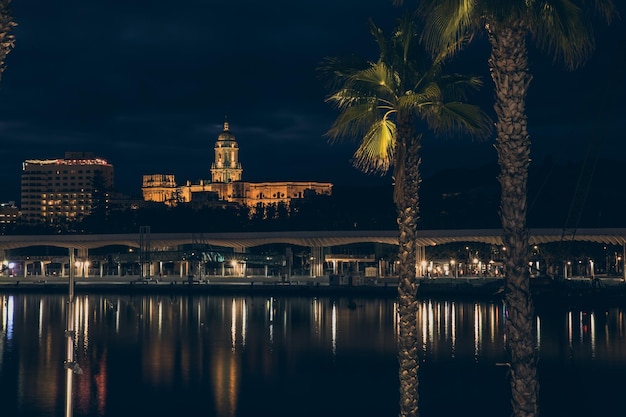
<point>226,167</point>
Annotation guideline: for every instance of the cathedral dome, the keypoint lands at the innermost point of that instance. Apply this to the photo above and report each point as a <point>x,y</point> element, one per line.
<point>226,135</point>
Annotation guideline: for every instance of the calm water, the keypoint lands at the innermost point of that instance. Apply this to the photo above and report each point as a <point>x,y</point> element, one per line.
<point>290,356</point>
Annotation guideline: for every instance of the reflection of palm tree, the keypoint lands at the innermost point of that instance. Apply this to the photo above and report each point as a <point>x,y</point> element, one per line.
<point>383,103</point>
<point>563,30</point>
<point>6,37</point>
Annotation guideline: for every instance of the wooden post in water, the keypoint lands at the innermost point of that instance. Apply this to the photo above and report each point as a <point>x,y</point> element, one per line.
<point>71,367</point>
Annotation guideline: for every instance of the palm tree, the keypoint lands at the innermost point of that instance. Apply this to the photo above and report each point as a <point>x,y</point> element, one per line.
<point>387,104</point>
<point>562,29</point>
<point>7,39</point>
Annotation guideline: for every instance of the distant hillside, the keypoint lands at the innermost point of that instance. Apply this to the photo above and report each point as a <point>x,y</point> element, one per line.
<point>577,195</point>
<point>571,195</point>
<point>461,199</point>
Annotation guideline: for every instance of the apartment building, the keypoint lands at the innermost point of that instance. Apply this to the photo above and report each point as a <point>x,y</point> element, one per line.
<point>64,189</point>
<point>9,213</point>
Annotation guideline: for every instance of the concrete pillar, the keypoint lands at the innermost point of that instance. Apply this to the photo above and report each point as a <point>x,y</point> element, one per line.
<point>317,261</point>
<point>624,262</point>
<point>420,257</point>
<point>289,259</point>
<point>240,269</point>
<point>381,268</point>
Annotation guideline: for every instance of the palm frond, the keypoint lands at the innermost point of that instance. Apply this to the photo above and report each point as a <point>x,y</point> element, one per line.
<point>459,86</point>
<point>561,30</point>
<point>375,152</point>
<point>448,50</point>
<point>427,96</point>
<point>379,77</point>
<point>605,9</point>
<point>456,117</point>
<point>405,37</point>
<point>353,122</point>
<point>346,97</point>
<point>446,23</point>
<point>334,71</point>
<point>7,38</point>
<point>380,39</point>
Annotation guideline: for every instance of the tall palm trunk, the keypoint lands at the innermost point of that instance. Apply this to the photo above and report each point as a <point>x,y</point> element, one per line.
<point>406,198</point>
<point>509,71</point>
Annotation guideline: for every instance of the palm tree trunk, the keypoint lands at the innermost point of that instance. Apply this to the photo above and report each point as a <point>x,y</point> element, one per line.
<point>406,189</point>
<point>509,71</point>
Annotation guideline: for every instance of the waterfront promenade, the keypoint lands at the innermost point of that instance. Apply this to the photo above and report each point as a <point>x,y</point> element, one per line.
<point>603,289</point>
<point>192,285</point>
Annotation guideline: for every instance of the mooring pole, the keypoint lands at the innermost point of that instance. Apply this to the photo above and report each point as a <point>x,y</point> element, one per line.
<point>71,367</point>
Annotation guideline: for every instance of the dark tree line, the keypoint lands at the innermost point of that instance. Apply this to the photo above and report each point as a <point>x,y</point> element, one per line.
<point>348,208</point>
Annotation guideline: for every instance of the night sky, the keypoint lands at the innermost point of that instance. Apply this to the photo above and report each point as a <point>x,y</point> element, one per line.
<point>147,86</point>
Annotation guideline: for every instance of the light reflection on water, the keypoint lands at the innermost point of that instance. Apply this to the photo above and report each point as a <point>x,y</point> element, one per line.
<point>231,355</point>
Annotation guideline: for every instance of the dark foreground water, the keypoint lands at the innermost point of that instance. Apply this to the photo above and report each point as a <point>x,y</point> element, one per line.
<point>290,356</point>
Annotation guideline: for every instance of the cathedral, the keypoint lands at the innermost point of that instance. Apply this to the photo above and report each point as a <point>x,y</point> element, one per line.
<point>226,183</point>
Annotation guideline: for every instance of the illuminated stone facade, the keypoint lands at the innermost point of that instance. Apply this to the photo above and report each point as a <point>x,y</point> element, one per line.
<point>55,190</point>
<point>226,185</point>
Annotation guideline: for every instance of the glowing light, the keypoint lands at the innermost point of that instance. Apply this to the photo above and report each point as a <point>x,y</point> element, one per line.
<point>233,325</point>
<point>334,329</point>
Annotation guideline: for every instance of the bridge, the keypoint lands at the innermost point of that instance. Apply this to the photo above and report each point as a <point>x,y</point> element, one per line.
<point>157,249</point>
<point>304,238</point>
